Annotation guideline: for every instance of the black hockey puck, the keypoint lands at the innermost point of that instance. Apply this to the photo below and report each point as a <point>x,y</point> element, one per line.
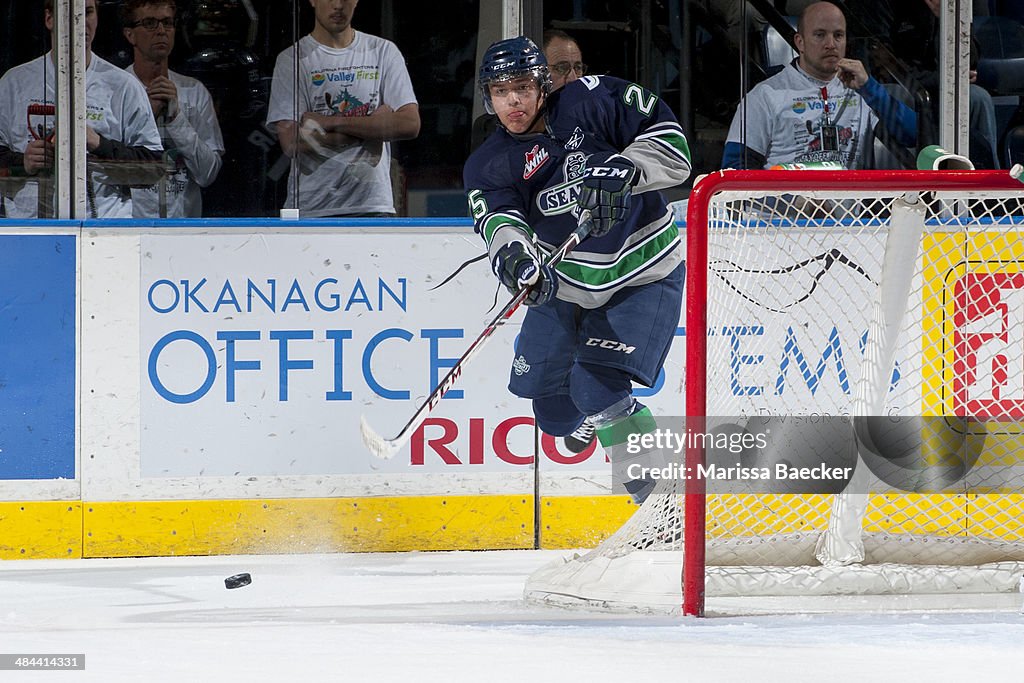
<point>237,581</point>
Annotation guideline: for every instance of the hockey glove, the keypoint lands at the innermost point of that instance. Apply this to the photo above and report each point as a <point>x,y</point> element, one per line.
<point>516,266</point>
<point>607,187</point>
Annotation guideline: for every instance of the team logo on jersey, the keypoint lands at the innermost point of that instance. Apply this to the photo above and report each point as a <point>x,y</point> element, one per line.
<point>575,140</point>
<point>520,366</point>
<point>535,158</point>
<point>561,198</point>
<point>799,107</point>
<point>575,166</point>
<point>319,79</point>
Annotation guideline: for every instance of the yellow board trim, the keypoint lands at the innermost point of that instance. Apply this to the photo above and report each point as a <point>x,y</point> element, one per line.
<point>38,530</point>
<point>55,529</point>
<point>213,527</point>
<point>581,521</point>
<point>47,530</point>
<point>947,259</point>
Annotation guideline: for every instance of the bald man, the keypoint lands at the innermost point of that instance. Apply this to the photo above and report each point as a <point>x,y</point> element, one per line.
<point>821,108</point>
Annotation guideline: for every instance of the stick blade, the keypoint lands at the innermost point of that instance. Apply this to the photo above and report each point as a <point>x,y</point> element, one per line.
<point>384,449</point>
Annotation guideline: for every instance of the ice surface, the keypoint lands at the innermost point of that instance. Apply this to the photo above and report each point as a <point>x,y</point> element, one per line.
<point>459,617</point>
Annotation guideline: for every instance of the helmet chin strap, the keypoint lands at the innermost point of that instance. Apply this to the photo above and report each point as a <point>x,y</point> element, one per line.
<point>539,123</point>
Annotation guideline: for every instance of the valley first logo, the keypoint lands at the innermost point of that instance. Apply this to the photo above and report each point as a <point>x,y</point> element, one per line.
<point>988,343</point>
<point>815,104</point>
<point>346,77</point>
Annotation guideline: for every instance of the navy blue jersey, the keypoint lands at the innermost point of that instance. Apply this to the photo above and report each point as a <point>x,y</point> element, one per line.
<point>528,185</point>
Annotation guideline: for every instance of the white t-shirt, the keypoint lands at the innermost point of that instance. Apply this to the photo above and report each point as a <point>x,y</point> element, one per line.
<point>785,113</point>
<point>193,142</point>
<point>116,108</point>
<point>352,81</point>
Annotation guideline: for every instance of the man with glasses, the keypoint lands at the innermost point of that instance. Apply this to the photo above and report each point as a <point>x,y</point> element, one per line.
<point>183,109</point>
<point>564,58</point>
<point>121,135</point>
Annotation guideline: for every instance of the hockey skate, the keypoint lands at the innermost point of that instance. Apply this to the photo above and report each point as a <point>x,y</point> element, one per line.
<point>580,440</point>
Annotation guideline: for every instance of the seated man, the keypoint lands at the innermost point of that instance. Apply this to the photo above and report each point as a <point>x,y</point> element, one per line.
<point>822,107</point>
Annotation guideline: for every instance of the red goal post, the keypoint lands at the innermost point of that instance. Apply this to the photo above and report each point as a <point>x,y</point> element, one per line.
<point>992,193</point>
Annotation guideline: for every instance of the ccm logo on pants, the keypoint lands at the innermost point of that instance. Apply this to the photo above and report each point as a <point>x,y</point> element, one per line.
<point>611,345</point>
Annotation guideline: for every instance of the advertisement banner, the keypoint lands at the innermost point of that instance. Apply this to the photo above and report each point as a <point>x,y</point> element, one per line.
<point>260,352</point>
<point>37,356</point>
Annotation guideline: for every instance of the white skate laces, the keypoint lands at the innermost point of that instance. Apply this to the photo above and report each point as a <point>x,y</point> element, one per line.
<point>580,440</point>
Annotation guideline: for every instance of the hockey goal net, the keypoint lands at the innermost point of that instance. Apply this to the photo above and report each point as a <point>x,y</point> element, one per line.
<point>853,300</point>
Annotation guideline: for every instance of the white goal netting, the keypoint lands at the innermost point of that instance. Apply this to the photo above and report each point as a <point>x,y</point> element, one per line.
<point>835,301</point>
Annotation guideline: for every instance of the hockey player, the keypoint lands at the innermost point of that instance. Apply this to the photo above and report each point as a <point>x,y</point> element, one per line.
<point>606,315</point>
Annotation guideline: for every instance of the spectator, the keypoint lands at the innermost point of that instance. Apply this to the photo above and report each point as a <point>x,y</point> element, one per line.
<point>566,65</point>
<point>354,97</point>
<point>564,58</point>
<point>121,130</point>
<point>914,40</point>
<point>607,147</point>
<point>183,109</point>
<point>822,107</point>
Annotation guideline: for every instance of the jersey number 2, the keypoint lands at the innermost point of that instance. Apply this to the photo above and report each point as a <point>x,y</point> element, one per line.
<point>635,96</point>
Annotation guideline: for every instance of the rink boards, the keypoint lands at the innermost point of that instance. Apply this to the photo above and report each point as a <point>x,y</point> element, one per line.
<point>196,387</point>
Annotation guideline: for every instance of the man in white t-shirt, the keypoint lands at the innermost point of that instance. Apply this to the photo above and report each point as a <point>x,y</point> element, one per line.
<point>354,97</point>
<point>822,107</point>
<point>121,135</point>
<point>184,113</point>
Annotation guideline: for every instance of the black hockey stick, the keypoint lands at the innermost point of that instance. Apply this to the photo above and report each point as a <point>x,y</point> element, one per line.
<point>386,448</point>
